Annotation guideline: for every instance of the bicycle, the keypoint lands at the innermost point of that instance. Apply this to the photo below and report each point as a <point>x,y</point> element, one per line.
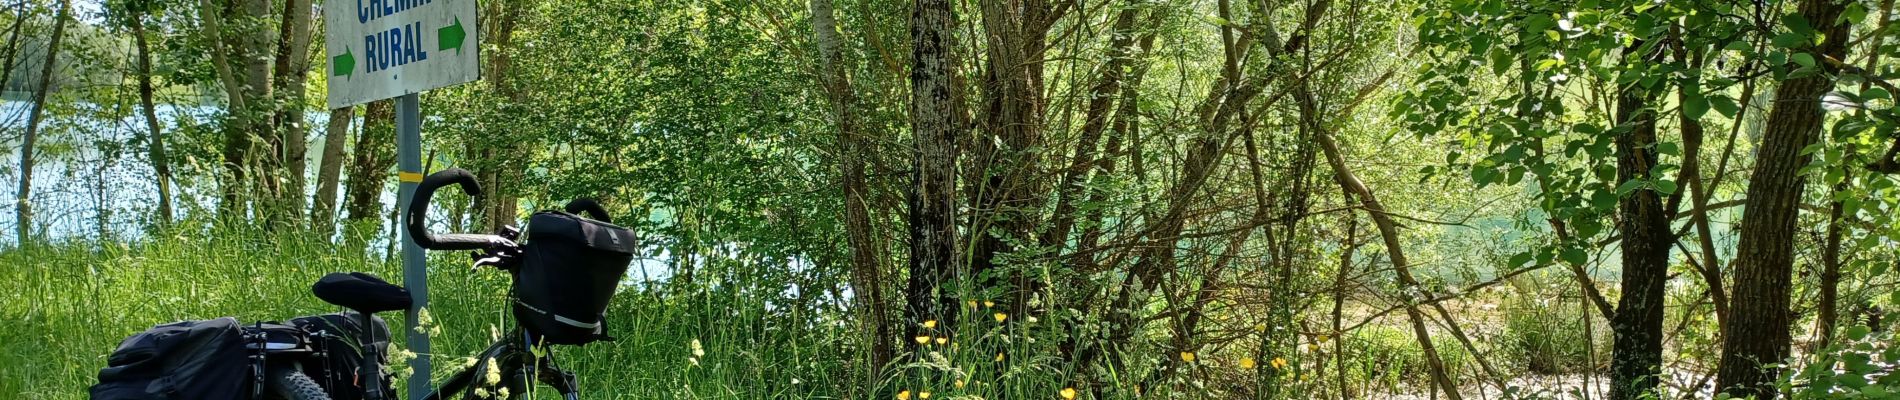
<point>513,356</point>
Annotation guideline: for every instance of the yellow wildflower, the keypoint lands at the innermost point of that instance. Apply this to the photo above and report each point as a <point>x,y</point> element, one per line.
<point>923,395</point>
<point>1001,316</point>
<point>1246,363</point>
<point>1187,356</point>
<point>999,357</point>
<point>922,339</point>
<point>904,395</point>
<point>942,340</point>
<point>959,383</point>
<point>1068,393</point>
<point>1279,363</point>
<point>931,324</point>
<point>988,304</point>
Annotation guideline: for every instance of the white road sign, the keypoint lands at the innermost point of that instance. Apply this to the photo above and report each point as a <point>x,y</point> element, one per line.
<point>380,49</point>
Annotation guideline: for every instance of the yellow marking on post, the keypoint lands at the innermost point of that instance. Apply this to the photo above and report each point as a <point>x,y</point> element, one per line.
<point>411,177</point>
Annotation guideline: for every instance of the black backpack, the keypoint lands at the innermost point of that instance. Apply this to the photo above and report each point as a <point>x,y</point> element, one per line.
<point>337,373</point>
<point>571,266</point>
<point>199,360</point>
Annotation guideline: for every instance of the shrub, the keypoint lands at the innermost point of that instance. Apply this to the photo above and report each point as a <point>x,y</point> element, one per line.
<point>1390,356</point>
<point>1550,337</point>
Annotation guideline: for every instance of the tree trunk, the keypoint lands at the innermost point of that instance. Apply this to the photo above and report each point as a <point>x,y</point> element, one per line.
<point>1828,315</point>
<point>1102,97</point>
<point>1636,325</point>
<point>1388,233</point>
<point>24,209</point>
<point>336,135</point>
<point>1005,169</point>
<point>1764,262</point>
<point>155,145</point>
<point>249,96</point>
<point>499,162</point>
<point>291,69</point>
<point>13,46</point>
<point>867,267</point>
<point>935,122</point>
<point>375,154</point>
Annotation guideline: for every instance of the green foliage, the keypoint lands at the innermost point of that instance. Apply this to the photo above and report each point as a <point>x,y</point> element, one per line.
<point>1859,367</point>
<point>1552,336</point>
<point>1390,356</point>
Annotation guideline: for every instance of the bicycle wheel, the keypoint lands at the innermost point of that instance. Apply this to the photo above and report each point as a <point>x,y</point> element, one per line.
<point>290,384</point>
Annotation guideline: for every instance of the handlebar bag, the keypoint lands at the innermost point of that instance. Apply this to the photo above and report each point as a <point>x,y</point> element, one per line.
<point>180,360</point>
<point>336,372</point>
<point>571,266</point>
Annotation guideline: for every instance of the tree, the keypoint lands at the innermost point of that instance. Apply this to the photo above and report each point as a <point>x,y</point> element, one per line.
<point>1005,172</point>
<point>335,136</point>
<point>867,255</point>
<point>240,36</point>
<point>936,125</point>
<point>288,74</point>
<point>155,133</point>
<point>24,210</point>
<point>375,154</point>
<point>1637,323</point>
<point>499,162</point>
<point>1760,332</point>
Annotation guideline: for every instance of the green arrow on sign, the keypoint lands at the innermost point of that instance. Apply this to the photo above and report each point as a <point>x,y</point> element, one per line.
<point>344,65</point>
<point>450,37</point>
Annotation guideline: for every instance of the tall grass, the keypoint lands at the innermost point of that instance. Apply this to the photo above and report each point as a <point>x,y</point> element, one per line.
<point>765,327</point>
<point>71,303</point>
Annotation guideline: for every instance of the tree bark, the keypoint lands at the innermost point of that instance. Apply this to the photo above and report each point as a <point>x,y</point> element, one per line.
<point>375,155</point>
<point>1102,97</point>
<point>1828,315</point>
<point>13,46</point>
<point>336,135</point>
<point>1388,233</point>
<point>867,255</point>
<point>935,122</point>
<point>1636,354</point>
<point>24,210</point>
<point>155,145</point>
<point>1764,262</point>
<point>290,71</point>
<point>248,93</point>
<point>1691,175</point>
<point>499,161</point>
<point>1005,167</point>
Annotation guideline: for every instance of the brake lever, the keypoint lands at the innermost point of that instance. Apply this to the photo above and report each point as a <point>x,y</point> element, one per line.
<point>497,257</point>
<point>480,261</point>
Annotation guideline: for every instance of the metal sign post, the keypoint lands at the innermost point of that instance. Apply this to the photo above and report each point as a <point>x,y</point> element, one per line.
<point>386,48</point>
<point>415,264</point>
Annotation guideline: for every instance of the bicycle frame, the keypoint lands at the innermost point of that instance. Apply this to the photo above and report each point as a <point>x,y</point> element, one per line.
<point>513,356</point>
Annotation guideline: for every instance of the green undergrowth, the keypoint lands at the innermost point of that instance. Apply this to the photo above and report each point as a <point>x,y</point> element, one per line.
<point>71,304</point>
<point>750,326</point>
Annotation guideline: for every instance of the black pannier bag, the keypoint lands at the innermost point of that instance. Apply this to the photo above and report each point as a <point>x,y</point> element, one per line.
<point>337,373</point>
<point>199,360</point>
<point>571,266</point>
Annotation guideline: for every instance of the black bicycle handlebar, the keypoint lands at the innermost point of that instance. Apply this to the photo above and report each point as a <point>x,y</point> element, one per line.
<point>418,213</point>
<point>592,208</point>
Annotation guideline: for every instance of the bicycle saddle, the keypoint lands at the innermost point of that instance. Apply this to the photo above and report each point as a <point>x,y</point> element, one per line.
<point>362,292</point>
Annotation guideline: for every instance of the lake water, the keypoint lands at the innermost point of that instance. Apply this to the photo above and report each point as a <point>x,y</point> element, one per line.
<point>90,179</point>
